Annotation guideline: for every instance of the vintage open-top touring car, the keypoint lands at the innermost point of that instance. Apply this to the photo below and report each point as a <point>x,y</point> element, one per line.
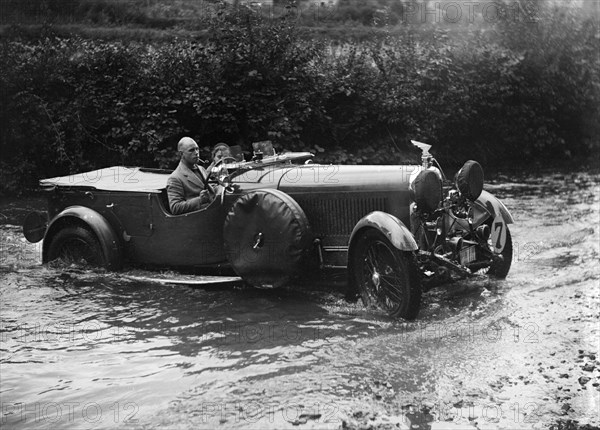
<point>395,229</point>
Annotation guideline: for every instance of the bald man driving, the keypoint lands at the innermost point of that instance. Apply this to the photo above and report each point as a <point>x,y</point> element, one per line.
<point>186,185</point>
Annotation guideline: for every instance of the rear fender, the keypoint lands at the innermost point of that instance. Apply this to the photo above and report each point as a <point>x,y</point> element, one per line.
<point>391,227</point>
<point>81,215</point>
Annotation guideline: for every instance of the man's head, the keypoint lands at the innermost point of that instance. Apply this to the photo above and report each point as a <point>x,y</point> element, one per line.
<point>189,151</point>
<point>220,150</point>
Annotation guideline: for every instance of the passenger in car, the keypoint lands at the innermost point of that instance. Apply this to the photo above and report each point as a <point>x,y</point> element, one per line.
<point>220,151</point>
<point>187,188</point>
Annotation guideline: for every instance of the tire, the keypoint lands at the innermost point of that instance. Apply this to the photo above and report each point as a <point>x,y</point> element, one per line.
<point>267,238</point>
<point>500,269</point>
<point>76,244</point>
<point>386,277</point>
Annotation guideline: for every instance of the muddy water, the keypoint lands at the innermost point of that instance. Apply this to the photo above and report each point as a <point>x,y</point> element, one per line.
<point>83,349</point>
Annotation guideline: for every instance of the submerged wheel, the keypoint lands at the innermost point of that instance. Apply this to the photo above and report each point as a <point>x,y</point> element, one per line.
<point>499,269</point>
<point>386,277</point>
<point>75,245</point>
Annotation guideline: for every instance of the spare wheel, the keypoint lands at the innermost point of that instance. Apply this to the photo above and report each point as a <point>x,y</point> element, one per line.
<point>266,237</point>
<point>469,180</point>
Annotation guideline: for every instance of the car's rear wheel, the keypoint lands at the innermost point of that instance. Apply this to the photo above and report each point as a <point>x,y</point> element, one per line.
<point>500,268</point>
<point>78,245</point>
<point>385,276</point>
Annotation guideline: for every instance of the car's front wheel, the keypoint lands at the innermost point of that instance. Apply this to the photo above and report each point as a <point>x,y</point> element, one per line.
<point>500,268</point>
<point>76,244</point>
<point>385,276</point>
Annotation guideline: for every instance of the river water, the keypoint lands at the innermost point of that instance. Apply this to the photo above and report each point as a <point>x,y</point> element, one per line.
<point>89,349</point>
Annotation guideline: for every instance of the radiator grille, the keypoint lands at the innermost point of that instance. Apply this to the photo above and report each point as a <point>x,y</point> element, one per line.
<point>336,215</point>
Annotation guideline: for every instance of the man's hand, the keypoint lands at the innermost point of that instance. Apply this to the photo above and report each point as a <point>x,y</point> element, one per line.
<point>211,190</point>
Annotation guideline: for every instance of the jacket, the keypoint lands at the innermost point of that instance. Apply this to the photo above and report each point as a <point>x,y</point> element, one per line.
<point>186,190</point>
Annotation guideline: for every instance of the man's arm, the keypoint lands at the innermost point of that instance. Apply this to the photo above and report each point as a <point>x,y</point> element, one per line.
<point>177,202</point>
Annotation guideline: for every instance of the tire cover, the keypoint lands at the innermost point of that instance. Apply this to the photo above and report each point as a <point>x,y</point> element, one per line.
<point>266,237</point>
<point>426,190</point>
<point>469,180</point>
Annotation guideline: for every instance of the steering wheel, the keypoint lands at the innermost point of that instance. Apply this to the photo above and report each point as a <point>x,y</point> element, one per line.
<point>224,159</point>
<point>212,177</point>
<point>223,180</point>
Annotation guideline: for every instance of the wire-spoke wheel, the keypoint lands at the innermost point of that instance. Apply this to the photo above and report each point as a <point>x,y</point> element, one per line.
<point>386,277</point>
<point>76,245</point>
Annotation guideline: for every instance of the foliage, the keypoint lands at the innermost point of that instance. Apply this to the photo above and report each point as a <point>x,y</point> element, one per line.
<point>95,12</point>
<point>530,92</point>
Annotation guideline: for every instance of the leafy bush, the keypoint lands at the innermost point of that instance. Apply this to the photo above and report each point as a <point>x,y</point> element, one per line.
<point>71,104</point>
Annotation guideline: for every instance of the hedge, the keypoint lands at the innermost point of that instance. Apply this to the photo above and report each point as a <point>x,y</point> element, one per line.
<point>531,92</point>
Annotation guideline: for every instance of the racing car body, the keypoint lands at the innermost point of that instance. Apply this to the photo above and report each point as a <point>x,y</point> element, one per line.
<point>393,228</point>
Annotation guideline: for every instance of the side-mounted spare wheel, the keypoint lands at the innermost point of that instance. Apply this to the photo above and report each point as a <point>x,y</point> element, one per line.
<point>76,244</point>
<point>266,238</point>
<point>385,276</point>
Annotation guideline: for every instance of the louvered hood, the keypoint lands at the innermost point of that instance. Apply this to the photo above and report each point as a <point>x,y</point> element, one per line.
<point>335,198</point>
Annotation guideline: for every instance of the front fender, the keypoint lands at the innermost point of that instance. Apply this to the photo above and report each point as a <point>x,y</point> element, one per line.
<point>109,241</point>
<point>487,206</point>
<point>394,229</point>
